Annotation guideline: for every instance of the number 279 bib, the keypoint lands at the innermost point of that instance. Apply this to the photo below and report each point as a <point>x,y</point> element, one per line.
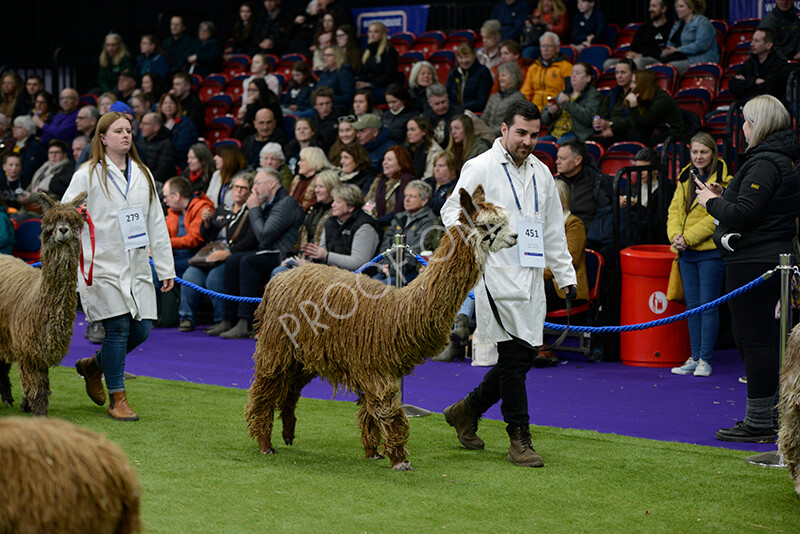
<point>134,227</point>
<point>530,242</point>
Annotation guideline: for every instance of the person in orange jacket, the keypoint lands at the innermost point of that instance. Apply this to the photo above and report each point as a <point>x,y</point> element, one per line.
<point>184,218</point>
<point>545,78</point>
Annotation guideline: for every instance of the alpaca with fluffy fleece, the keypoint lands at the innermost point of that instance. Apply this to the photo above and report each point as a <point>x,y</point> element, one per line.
<point>58,477</point>
<point>37,306</point>
<point>789,433</point>
<point>362,335</point>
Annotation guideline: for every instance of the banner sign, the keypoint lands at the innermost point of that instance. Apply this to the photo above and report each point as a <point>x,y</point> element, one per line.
<point>752,9</point>
<point>396,18</point>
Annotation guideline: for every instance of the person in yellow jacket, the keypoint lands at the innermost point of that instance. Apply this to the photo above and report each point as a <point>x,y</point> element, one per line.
<point>545,77</point>
<point>690,229</point>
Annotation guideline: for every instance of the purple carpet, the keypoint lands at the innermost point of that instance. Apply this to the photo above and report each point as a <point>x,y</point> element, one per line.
<point>607,397</point>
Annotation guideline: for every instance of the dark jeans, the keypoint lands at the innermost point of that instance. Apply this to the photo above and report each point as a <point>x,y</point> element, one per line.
<point>245,273</point>
<point>123,334</point>
<point>506,382</point>
<point>755,328</point>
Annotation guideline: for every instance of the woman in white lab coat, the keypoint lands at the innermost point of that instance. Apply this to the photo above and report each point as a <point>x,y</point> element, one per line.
<point>128,218</point>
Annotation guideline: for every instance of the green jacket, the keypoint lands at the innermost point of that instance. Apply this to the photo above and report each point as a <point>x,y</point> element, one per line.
<point>582,110</point>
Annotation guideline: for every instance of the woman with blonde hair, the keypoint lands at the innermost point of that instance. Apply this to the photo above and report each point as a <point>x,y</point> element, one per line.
<point>757,214</point>
<point>464,144</point>
<point>338,76</point>
<point>552,15</point>
<point>312,160</point>
<point>114,59</point>
<point>379,61</point>
<point>122,295</point>
<point>422,75</point>
<point>690,230</point>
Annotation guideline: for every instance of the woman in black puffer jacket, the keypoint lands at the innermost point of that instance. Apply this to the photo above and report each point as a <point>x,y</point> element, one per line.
<point>757,222</point>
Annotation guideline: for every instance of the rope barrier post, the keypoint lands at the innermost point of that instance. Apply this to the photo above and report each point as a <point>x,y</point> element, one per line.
<point>774,458</point>
<point>399,250</point>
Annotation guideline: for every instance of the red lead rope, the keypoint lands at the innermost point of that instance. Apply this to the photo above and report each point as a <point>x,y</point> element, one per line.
<point>82,210</point>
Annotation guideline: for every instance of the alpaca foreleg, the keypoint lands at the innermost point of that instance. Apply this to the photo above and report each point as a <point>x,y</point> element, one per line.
<point>35,389</point>
<point>288,417</point>
<point>393,423</point>
<point>370,431</point>
<point>5,384</point>
<point>266,393</point>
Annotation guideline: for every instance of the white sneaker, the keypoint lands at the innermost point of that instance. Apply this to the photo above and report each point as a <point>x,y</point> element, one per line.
<point>685,369</point>
<point>703,368</point>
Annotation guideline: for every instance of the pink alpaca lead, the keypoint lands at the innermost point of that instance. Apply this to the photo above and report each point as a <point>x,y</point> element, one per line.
<point>362,335</point>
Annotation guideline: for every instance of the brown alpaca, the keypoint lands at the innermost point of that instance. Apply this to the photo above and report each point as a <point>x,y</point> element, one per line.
<point>789,433</point>
<point>58,477</point>
<point>364,336</point>
<point>37,306</point>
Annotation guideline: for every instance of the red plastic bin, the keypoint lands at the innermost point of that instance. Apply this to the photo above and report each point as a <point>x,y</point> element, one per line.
<point>645,275</point>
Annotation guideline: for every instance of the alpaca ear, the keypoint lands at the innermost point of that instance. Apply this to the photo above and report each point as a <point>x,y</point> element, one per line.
<point>479,195</point>
<point>46,202</point>
<point>79,200</point>
<point>467,205</point>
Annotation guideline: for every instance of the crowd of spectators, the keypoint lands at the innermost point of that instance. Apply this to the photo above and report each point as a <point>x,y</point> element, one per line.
<point>390,145</point>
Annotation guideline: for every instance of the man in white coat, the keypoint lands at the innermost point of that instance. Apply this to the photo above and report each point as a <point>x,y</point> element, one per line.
<point>510,299</point>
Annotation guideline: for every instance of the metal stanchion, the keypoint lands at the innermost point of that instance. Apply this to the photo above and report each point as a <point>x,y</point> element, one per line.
<point>399,248</point>
<point>774,458</point>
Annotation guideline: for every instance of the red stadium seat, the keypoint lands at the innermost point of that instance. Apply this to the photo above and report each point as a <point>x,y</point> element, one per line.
<point>208,89</point>
<point>427,45</point>
<point>234,87</point>
<point>611,162</point>
<point>625,147</point>
<point>545,158</point>
<point>443,62</point>
<point>666,74</point>
<point>217,106</point>
<point>218,129</point>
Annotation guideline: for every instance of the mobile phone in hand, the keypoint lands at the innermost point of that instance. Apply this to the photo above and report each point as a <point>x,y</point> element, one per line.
<point>697,178</point>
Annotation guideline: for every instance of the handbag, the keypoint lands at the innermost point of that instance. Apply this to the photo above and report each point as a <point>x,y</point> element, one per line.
<point>200,259</point>
<point>675,284</point>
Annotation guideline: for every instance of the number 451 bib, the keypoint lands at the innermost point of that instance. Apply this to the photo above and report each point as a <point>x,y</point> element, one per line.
<point>134,228</point>
<point>530,242</point>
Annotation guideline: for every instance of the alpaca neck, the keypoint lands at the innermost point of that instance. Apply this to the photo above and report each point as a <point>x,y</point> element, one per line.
<point>452,272</point>
<point>59,282</point>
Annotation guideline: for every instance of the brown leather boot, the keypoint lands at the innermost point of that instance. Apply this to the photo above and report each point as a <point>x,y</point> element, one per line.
<point>118,408</point>
<point>520,451</point>
<point>465,421</point>
<point>92,374</point>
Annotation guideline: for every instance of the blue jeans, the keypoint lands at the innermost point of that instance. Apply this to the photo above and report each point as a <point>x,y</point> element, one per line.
<point>213,280</point>
<point>123,334</point>
<point>702,273</point>
<point>467,308</point>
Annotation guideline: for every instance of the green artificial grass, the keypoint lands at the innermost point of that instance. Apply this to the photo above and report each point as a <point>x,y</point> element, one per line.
<point>201,473</point>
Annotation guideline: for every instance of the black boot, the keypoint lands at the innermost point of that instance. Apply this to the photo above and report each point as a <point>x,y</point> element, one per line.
<point>758,426</point>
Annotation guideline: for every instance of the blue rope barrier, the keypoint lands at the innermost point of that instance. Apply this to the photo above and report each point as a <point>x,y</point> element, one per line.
<point>666,320</point>
<point>553,326</point>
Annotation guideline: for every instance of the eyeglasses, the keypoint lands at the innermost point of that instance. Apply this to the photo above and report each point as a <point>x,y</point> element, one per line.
<point>347,118</point>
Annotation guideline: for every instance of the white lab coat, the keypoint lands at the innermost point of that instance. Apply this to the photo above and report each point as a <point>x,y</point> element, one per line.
<point>122,281</point>
<point>518,291</point>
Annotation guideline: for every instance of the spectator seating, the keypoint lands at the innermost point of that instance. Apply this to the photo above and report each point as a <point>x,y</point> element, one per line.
<point>595,55</point>
<point>429,42</point>
<point>217,106</point>
<point>548,147</point>
<point>443,62</point>
<point>88,100</point>
<point>403,41</point>
<point>569,52</point>
<point>595,149</point>
<point>196,81</point>
<point>234,87</point>
<point>457,37</point>
<point>612,30</point>
<point>231,141</point>
<point>666,74</point>
<point>705,75</point>
<point>696,99</point>
<point>625,147</point>
<point>545,158</point>
<point>236,64</point>
<point>612,162</point>
<point>406,62</point>
<point>218,129</point>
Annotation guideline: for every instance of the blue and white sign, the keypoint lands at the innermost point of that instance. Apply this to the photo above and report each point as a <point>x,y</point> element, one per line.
<point>396,18</point>
<point>752,9</point>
